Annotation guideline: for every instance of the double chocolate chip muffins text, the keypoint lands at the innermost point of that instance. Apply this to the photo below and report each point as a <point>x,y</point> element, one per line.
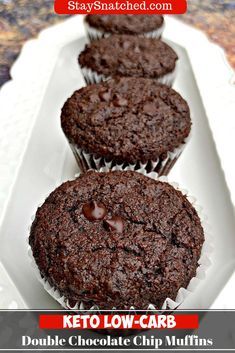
<point>115,237</point>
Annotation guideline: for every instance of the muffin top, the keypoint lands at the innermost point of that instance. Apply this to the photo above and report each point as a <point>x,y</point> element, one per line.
<point>126,119</point>
<point>125,24</point>
<point>117,239</point>
<point>127,55</point>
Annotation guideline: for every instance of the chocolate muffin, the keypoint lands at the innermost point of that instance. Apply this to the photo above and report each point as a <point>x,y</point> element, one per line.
<point>117,239</point>
<point>99,26</point>
<point>133,122</point>
<point>127,55</point>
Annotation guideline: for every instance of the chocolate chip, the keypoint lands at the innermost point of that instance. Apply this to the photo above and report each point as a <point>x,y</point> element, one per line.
<point>114,224</point>
<point>105,96</point>
<point>94,211</point>
<point>120,101</point>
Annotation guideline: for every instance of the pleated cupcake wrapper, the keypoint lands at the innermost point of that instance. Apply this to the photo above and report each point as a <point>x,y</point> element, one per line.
<point>94,33</point>
<point>87,161</point>
<point>169,304</point>
<point>91,76</point>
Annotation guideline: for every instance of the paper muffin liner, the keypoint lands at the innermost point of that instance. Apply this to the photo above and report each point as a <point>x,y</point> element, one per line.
<point>91,76</point>
<point>161,166</point>
<point>169,304</point>
<point>93,33</point>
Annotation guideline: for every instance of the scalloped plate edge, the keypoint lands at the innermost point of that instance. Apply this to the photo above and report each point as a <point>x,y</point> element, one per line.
<point>20,100</point>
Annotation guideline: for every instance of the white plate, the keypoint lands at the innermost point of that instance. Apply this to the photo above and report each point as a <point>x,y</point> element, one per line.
<point>35,157</point>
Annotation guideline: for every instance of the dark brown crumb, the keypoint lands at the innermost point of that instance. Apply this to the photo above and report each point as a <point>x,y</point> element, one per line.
<point>126,119</point>
<point>125,24</point>
<point>127,55</point>
<point>155,254</point>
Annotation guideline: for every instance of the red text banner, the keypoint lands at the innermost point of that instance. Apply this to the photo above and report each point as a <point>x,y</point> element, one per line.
<point>112,7</point>
<point>119,321</point>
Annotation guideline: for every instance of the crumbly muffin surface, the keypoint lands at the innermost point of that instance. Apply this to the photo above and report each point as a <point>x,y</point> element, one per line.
<point>127,55</point>
<point>126,120</point>
<point>117,239</point>
<point>125,24</point>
